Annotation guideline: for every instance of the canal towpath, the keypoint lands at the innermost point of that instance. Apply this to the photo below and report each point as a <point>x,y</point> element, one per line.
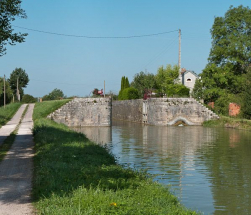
<point>16,168</point>
<point>10,126</point>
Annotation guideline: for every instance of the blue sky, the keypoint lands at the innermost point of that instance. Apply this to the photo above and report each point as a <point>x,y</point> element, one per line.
<point>78,65</point>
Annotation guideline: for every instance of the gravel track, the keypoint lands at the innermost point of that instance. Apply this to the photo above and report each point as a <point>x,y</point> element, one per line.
<point>16,171</point>
<point>12,124</point>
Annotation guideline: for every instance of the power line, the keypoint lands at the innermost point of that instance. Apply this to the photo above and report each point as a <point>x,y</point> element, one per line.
<point>162,52</point>
<point>52,82</point>
<point>97,37</point>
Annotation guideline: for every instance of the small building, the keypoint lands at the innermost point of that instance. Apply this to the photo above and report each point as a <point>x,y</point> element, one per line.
<point>188,78</point>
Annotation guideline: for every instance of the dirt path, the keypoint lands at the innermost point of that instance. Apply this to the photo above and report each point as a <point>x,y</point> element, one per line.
<point>16,171</point>
<point>11,125</point>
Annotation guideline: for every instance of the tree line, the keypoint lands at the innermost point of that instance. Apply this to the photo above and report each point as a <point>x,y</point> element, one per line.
<point>14,89</point>
<point>164,83</point>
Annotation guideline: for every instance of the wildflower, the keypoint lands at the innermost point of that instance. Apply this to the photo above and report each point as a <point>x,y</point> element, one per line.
<point>113,204</point>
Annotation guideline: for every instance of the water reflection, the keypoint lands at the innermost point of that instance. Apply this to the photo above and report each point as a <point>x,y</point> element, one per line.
<point>209,169</point>
<point>100,135</point>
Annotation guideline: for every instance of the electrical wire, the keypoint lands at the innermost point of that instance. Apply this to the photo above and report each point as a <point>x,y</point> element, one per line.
<point>97,37</point>
<point>163,51</point>
<point>52,82</point>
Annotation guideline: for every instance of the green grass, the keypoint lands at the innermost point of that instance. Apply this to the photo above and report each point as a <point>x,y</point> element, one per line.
<point>5,147</point>
<point>8,112</point>
<point>72,175</point>
<point>43,109</point>
<point>229,122</point>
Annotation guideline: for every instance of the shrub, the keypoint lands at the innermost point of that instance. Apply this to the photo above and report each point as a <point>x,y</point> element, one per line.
<point>28,99</point>
<point>128,94</point>
<point>178,90</point>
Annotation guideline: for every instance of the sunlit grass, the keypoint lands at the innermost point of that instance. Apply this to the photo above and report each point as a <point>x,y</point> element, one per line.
<point>229,122</point>
<point>8,112</point>
<point>43,109</point>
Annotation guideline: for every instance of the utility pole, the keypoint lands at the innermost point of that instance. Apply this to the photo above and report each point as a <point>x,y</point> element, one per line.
<point>104,89</point>
<point>180,50</point>
<point>4,101</point>
<point>18,98</point>
<point>180,76</point>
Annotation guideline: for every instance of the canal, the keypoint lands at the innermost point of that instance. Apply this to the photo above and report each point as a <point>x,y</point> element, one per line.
<point>209,169</point>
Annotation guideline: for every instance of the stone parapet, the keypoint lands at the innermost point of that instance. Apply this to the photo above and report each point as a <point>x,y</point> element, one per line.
<point>84,112</point>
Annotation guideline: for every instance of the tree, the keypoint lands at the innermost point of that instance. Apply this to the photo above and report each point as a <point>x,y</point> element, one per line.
<point>143,81</point>
<point>246,109</point>
<point>28,99</point>
<point>129,93</point>
<point>124,84</point>
<point>8,92</point>
<point>54,95</point>
<point>9,10</point>
<point>231,44</point>
<point>23,80</point>
<point>177,90</point>
<point>198,89</point>
<point>230,55</point>
<point>166,81</point>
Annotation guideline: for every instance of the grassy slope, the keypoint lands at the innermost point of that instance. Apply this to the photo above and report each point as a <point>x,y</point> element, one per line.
<point>76,176</point>
<point>8,112</point>
<point>229,122</point>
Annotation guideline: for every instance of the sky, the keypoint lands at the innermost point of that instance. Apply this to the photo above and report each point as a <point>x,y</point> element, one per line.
<point>77,65</point>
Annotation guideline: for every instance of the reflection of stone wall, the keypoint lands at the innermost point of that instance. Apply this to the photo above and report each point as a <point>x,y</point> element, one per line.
<point>100,135</point>
<point>162,111</point>
<point>84,112</point>
<point>128,110</point>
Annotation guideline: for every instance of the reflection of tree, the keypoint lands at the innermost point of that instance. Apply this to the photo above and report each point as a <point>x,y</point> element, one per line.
<point>230,172</point>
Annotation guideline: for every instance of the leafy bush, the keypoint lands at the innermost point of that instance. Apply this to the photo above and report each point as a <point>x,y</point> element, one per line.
<point>178,90</point>
<point>54,95</point>
<point>128,94</point>
<point>28,99</point>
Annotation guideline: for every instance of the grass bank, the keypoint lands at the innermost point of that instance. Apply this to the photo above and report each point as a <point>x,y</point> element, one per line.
<point>8,112</point>
<point>72,175</point>
<point>229,122</point>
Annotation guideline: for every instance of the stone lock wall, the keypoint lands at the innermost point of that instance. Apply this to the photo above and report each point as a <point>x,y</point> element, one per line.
<point>154,111</point>
<point>84,112</point>
<point>128,110</point>
<point>170,111</point>
<point>162,111</point>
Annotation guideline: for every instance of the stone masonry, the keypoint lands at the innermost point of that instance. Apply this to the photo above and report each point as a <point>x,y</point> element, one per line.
<point>163,111</point>
<point>128,110</point>
<point>84,112</point>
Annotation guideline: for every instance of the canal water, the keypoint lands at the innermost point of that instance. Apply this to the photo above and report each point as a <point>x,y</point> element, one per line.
<point>209,169</point>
